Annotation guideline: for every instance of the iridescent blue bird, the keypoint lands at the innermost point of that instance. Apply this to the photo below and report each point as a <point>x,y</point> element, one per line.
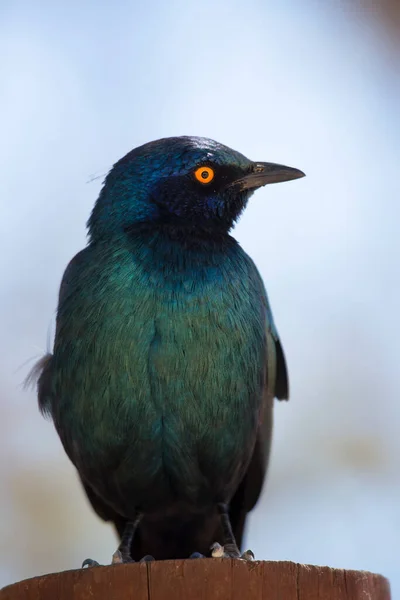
<point>166,357</point>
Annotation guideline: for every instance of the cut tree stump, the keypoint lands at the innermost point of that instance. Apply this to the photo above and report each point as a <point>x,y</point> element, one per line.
<point>203,579</point>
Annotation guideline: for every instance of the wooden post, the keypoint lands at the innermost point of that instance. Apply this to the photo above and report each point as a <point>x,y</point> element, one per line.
<point>203,579</point>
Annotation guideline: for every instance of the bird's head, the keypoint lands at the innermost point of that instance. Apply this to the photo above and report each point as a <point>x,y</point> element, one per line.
<point>185,181</point>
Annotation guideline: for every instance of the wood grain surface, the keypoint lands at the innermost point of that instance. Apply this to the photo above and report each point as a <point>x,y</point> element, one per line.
<point>203,579</point>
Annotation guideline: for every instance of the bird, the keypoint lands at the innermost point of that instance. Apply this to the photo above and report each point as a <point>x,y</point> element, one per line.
<point>166,357</point>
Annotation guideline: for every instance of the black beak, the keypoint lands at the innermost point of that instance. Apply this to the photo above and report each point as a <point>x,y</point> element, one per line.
<point>263,173</point>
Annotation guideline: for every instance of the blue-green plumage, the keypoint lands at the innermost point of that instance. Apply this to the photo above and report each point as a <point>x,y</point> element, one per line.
<point>166,357</point>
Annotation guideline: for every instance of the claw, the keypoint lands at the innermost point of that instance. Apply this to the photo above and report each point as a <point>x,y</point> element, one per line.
<point>196,555</point>
<point>90,563</point>
<point>218,551</point>
<point>117,558</point>
<point>248,555</point>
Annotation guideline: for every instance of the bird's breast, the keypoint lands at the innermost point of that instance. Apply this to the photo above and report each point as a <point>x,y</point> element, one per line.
<point>162,371</point>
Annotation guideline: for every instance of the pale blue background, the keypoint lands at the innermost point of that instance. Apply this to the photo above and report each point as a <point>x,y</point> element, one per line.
<point>309,84</point>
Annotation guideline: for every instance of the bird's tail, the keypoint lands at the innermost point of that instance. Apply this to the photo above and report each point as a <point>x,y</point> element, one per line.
<point>39,370</point>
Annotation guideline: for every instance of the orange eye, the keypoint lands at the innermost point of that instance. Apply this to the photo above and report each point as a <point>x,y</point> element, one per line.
<point>204,174</point>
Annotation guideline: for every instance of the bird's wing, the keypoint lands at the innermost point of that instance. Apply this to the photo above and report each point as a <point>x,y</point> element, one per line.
<point>42,372</point>
<point>276,386</point>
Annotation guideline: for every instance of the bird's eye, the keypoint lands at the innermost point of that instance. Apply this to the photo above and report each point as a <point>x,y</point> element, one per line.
<point>204,174</point>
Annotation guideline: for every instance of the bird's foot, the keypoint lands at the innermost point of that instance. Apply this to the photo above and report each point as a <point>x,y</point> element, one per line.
<point>123,553</point>
<point>118,558</point>
<point>248,555</point>
<point>90,563</point>
<point>230,551</point>
<point>121,558</point>
<point>196,555</point>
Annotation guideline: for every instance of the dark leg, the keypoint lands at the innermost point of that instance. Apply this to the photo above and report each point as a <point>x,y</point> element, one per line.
<point>230,548</point>
<point>123,553</point>
<point>230,545</point>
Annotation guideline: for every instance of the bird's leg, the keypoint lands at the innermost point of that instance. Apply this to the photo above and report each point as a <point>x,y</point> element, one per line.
<point>230,548</point>
<point>123,552</point>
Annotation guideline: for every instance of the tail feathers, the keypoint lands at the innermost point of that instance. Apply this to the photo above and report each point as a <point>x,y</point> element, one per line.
<point>40,375</point>
<point>282,378</point>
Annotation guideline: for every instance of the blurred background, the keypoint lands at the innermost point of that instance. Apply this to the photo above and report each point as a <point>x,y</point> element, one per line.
<point>315,85</point>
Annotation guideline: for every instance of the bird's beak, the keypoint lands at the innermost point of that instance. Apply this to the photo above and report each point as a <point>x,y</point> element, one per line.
<point>263,173</point>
